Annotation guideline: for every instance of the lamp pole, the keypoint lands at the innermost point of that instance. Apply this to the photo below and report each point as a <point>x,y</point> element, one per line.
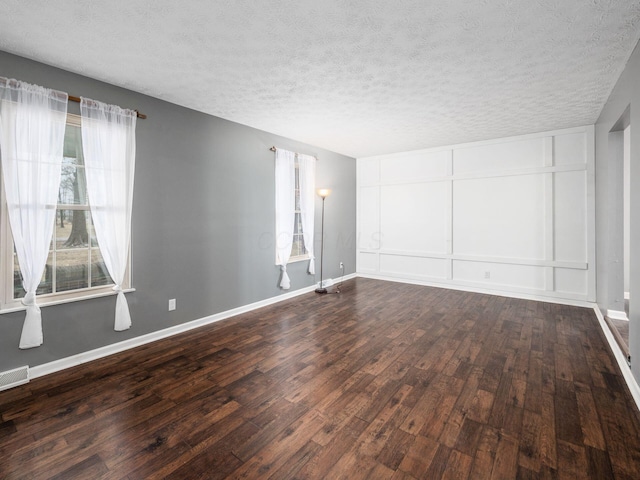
<point>324,193</point>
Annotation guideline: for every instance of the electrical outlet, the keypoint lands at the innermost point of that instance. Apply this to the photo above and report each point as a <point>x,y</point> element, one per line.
<point>487,275</point>
<point>341,265</point>
<point>172,304</point>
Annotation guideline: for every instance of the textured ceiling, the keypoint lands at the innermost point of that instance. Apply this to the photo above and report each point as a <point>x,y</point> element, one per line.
<point>356,77</point>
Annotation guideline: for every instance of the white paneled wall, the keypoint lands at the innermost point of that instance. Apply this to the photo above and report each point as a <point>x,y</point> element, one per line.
<point>513,215</point>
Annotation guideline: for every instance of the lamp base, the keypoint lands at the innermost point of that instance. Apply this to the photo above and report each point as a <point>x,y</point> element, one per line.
<point>321,290</point>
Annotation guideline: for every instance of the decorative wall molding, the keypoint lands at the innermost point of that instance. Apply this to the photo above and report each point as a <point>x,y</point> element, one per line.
<point>481,258</point>
<point>511,215</point>
<point>499,290</point>
<point>488,174</point>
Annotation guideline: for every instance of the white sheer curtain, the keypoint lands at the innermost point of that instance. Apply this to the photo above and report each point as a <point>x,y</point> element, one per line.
<point>285,210</point>
<point>32,124</point>
<point>307,171</point>
<point>109,147</point>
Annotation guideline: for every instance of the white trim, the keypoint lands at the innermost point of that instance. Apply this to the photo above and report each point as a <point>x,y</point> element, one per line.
<point>615,348</point>
<point>622,361</point>
<point>578,167</point>
<point>591,211</point>
<point>548,263</point>
<point>84,357</point>
<point>493,141</point>
<point>514,292</point>
<point>330,282</point>
<point>480,258</point>
<point>549,218</point>
<point>617,315</point>
<point>77,298</point>
<point>68,362</point>
<point>492,288</point>
<point>449,225</point>
<point>297,258</point>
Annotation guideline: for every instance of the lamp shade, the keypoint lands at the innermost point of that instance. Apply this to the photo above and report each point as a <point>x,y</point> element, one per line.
<point>324,192</point>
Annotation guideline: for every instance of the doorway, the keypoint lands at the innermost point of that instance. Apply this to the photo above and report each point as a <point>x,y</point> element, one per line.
<point>617,314</point>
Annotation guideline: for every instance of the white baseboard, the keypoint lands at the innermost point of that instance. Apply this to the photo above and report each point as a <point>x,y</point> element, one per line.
<point>486,291</point>
<point>615,348</point>
<point>617,315</point>
<point>330,282</point>
<point>620,358</point>
<point>74,360</point>
<point>80,358</point>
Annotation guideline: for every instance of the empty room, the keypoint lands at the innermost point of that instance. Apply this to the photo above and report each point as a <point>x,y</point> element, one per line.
<point>320,240</point>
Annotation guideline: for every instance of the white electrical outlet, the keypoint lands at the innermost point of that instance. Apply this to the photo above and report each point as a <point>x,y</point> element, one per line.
<point>487,275</point>
<point>341,265</point>
<point>172,304</point>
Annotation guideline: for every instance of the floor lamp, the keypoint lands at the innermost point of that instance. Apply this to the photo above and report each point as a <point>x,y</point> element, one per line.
<point>324,193</point>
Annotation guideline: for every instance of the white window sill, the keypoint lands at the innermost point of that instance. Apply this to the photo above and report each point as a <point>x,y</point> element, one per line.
<point>61,301</point>
<point>300,258</point>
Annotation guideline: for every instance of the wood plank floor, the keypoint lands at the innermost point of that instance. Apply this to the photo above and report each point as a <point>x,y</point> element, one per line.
<point>383,381</point>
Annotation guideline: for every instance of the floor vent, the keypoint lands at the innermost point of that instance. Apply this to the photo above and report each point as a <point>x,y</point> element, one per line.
<point>13,378</point>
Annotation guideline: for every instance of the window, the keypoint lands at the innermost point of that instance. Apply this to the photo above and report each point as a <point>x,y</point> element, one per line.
<point>75,268</point>
<point>294,212</point>
<point>298,251</point>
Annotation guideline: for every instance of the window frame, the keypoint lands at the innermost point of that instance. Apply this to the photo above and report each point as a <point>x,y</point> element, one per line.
<point>296,212</point>
<point>7,302</point>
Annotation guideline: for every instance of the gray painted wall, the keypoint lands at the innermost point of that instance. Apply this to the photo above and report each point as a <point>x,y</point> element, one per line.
<point>203,221</point>
<point>609,243</point>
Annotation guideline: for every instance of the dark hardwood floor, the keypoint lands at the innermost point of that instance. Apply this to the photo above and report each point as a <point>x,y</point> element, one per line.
<point>383,381</point>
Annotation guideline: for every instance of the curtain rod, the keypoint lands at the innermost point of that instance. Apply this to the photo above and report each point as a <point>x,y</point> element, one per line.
<point>273,149</point>
<point>140,115</point>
